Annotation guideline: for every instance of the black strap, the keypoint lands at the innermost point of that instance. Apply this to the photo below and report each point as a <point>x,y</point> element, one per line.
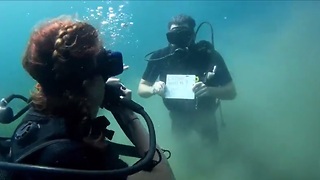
<point>39,147</point>
<point>122,149</point>
<point>149,167</point>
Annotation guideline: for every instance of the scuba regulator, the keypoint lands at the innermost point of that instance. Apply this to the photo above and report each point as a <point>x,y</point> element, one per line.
<point>109,64</point>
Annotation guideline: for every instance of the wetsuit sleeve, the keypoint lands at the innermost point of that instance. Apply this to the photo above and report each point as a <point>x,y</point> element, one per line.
<point>152,70</point>
<point>222,76</point>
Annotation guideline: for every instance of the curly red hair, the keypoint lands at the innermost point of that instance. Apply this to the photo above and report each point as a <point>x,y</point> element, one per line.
<point>60,55</point>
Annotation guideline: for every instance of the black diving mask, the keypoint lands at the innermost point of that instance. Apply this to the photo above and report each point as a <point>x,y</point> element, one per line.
<point>180,36</point>
<point>109,63</point>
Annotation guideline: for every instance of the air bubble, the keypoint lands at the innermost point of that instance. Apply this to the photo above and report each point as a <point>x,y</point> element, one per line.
<point>113,21</point>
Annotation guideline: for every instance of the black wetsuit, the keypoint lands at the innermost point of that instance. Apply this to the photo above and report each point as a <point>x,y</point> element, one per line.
<point>189,115</point>
<point>37,129</point>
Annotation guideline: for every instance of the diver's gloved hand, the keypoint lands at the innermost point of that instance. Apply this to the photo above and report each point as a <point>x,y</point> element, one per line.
<point>159,88</point>
<point>201,90</point>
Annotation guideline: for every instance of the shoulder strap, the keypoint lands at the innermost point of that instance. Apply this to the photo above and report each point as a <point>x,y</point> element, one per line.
<point>125,150</point>
<point>39,147</point>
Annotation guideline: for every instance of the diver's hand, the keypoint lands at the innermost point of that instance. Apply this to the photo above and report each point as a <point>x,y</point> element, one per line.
<point>201,90</point>
<point>159,88</point>
<point>126,113</point>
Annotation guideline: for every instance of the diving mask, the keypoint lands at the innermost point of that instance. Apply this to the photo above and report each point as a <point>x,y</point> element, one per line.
<point>180,36</point>
<point>109,63</point>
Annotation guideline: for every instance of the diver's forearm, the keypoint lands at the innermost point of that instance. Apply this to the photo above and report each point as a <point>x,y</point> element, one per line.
<point>140,137</point>
<point>145,91</point>
<point>223,92</point>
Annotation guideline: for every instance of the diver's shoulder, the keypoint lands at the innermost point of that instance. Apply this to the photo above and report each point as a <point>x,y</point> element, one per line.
<point>207,47</point>
<point>205,44</point>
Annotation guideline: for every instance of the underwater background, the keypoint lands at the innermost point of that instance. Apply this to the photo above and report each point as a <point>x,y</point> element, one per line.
<point>271,49</point>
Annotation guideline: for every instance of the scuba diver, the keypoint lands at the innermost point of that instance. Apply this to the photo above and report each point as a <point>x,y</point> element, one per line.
<point>61,136</point>
<point>213,82</point>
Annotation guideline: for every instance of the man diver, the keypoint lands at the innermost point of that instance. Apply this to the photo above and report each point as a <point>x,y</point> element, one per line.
<point>213,82</point>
